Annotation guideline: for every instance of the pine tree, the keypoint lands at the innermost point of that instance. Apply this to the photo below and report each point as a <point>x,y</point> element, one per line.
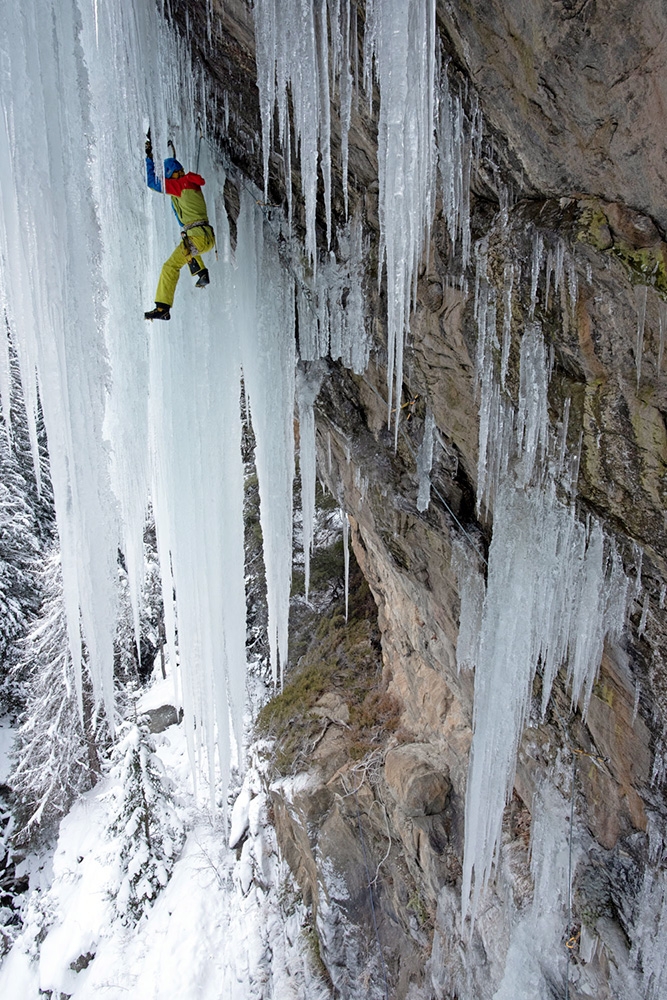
<point>145,821</point>
<point>27,530</point>
<point>55,753</point>
<point>128,665</point>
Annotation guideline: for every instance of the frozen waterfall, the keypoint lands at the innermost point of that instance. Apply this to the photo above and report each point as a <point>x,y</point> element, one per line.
<point>136,411</point>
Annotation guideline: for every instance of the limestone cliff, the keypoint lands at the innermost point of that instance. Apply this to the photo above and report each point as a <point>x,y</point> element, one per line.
<point>573,156</point>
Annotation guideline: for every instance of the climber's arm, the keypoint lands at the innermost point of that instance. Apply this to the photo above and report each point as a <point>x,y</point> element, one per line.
<point>151,179</point>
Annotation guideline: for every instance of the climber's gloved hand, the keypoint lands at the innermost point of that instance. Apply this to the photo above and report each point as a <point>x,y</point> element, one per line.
<point>149,145</point>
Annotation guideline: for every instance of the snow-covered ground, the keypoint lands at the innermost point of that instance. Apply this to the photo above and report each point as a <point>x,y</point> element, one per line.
<point>229,925</point>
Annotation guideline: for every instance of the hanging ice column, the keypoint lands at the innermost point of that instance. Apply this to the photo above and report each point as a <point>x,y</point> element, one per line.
<point>555,587</point>
<point>292,45</point>
<point>265,295</point>
<point>55,242</point>
<point>198,498</point>
<point>400,43</point>
<point>77,269</point>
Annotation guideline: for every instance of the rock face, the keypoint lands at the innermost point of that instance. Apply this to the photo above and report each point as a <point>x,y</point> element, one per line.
<point>573,95</point>
<point>578,89</point>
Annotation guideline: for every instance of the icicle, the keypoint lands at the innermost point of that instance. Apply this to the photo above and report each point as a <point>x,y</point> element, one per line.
<point>663,332</point>
<point>644,618</point>
<point>559,265</point>
<point>641,293</point>
<point>548,270</point>
<point>532,415</point>
<point>467,566</point>
<point>562,451</point>
<point>308,384</point>
<point>266,321</point>
<point>425,463</point>
<point>536,268</point>
<point>572,284</point>
<point>635,705</point>
<point>508,282</point>
<point>345,88</point>
<point>400,39</point>
<point>346,557</point>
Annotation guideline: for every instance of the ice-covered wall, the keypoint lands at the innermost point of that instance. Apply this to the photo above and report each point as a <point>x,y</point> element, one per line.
<point>526,447</point>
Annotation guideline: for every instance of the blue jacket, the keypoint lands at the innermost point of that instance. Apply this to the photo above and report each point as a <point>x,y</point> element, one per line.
<point>187,199</point>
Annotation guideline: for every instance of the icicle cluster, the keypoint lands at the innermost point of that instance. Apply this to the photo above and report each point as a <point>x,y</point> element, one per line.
<point>535,957</point>
<point>555,589</point>
<point>265,296</point>
<point>309,380</point>
<point>302,51</point>
<point>458,139</point>
<point>650,928</point>
<point>400,44</point>
<point>307,49</point>
<point>331,310</point>
<point>134,410</point>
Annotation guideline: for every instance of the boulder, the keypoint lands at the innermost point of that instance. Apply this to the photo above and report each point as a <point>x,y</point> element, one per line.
<point>418,783</point>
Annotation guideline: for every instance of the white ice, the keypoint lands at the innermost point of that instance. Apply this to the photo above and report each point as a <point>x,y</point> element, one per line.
<point>555,588</point>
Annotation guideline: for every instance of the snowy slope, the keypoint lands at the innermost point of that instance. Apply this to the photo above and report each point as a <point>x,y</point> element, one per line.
<point>226,927</point>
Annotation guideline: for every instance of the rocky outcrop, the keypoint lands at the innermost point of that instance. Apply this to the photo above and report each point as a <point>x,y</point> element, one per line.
<point>572,96</point>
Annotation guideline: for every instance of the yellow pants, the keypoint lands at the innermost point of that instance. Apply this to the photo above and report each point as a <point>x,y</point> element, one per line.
<point>203,239</point>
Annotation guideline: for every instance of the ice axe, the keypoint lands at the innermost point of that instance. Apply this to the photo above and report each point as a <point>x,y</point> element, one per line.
<point>172,149</point>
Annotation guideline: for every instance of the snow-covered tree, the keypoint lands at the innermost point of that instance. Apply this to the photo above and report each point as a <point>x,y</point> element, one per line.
<point>144,820</point>
<point>128,664</point>
<point>55,753</point>
<point>27,529</point>
<point>19,555</point>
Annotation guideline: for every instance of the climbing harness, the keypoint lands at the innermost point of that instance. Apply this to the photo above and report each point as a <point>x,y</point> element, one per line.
<point>190,246</point>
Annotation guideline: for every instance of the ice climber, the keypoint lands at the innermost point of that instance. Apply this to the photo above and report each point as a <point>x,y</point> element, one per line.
<point>197,234</point>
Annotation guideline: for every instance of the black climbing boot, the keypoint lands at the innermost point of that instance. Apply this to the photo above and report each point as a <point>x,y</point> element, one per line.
<point>203,279</point>
<point>161,311</point>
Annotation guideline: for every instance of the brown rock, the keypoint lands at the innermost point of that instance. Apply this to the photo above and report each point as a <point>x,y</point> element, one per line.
<point>331,706</point>
<point>632,227</point>
<point>419,786</point>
